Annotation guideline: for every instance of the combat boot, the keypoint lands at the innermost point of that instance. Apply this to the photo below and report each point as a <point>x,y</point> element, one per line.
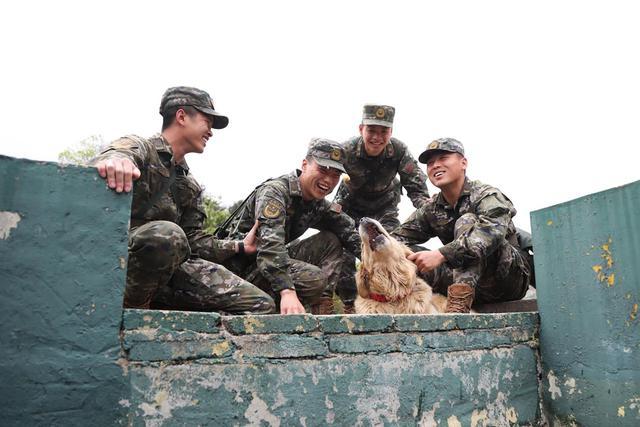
<point>323,306</point>
<point>459,298</point>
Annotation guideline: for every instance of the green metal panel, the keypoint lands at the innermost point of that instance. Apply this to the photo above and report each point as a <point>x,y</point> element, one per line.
<point>63,254</point>
<point>587,257</point>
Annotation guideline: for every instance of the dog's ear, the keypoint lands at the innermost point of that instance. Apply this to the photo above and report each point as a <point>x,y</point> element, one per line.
<point>362,282</point>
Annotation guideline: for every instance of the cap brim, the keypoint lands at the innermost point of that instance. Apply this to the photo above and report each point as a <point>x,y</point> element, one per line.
<point>377,122</point>
<point>424,157</point>
<point>330,164</point>
<point>220,121</point>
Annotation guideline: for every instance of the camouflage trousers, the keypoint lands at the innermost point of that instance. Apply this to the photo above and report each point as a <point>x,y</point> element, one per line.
<point>502,276</point>
<point>161,274</point>
<point>346,286</point>
<point>315,262</point>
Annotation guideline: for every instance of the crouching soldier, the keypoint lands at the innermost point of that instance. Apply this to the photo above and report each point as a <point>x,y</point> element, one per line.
<point>297,273</point>
<point>173,262</point>
<point>481,260</point>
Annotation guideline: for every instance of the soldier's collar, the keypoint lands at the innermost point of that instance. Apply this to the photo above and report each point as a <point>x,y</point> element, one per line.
<point>466,191</point>
<point>164,149</point>
<point>362,153</point>
<point>294,183</point>
<point>466,188</point>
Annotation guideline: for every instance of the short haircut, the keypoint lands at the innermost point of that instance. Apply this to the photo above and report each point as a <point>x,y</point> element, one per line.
<point>169,116</point>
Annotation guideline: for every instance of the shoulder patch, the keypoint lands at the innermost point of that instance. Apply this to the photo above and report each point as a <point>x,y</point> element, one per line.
<point>409,167</point>
<point>271,210</point>
<point>336,207</point>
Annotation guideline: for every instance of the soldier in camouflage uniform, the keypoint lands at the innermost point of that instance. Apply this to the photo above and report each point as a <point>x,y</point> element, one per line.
<point>296,272</point>
<point>173,263</point>
<point>481,259</point>
<point>374,160</point>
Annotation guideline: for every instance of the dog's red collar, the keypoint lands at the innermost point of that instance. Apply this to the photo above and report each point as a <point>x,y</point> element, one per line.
<point>378,297</point>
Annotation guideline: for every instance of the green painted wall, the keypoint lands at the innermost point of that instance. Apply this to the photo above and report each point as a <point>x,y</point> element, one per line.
<point>587,255</point>
<point>200,369</point>
<point>63,251</point>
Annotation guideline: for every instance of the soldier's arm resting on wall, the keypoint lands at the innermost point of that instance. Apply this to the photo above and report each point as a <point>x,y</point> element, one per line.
<point>494,212</point>
<point>120,163</point>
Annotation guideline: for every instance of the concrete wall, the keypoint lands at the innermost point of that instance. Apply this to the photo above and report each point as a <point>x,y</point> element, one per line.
<point>465,370</point>
<point>587,255</point>
<point>63,249</point>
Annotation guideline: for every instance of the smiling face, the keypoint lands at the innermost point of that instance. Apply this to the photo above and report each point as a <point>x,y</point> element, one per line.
<point>375,138</point>
<point>196,131</point>
<point>317,182</point>
<point>445,168</point>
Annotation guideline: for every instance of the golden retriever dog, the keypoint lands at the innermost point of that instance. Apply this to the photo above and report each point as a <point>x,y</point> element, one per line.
<point>387,281</point>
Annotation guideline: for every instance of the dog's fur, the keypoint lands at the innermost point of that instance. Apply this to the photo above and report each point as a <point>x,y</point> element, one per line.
<point>386,271</point>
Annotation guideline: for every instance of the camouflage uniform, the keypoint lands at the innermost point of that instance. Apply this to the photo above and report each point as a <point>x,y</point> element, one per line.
<point>170,256</point>
<point>281,261</point>
<point>372,188</point>
<point>480,243</point>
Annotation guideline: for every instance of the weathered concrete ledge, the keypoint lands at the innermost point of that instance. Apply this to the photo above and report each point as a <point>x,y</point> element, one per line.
<point>308,370</point>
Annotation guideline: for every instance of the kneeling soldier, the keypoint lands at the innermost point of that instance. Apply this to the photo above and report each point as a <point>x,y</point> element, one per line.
<point>297,272</point>
<point>172,260</point>
<point>481,260</point>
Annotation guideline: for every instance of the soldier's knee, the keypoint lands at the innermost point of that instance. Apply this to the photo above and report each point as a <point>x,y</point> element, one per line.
<point>331,243</point>
<point>159,244</point>
<point>313,279</point>
<point>267,306</point>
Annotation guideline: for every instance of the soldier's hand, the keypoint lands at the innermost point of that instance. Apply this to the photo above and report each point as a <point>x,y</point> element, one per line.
<point>289,302</point>
<point>427,260</point>
<point>119,173</point>
<point>250,240</point>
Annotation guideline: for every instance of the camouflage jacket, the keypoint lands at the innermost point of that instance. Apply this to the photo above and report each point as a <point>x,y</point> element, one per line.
<point>437,218</point>
<point>284,216</point>
<point>156,197</point>
<point>372,182</point>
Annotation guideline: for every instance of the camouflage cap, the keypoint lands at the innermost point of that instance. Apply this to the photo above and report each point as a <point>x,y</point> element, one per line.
<point>442,144</point>
<point>327,153</point>
<point>381,115</point>
<point>181,96</point>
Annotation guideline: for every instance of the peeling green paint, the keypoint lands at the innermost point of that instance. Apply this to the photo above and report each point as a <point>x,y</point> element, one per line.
<point>62,238</point>
<point>388,375</point>
<point>588,334</point>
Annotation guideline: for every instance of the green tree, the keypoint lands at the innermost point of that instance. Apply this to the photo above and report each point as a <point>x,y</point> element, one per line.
<point>82,152</point>
<point>216,213</point>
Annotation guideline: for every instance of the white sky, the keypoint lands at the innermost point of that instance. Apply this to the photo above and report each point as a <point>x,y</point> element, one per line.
<point>545,95</point>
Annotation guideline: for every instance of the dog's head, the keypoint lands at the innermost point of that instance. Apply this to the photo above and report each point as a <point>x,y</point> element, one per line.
<point>384,266</point>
